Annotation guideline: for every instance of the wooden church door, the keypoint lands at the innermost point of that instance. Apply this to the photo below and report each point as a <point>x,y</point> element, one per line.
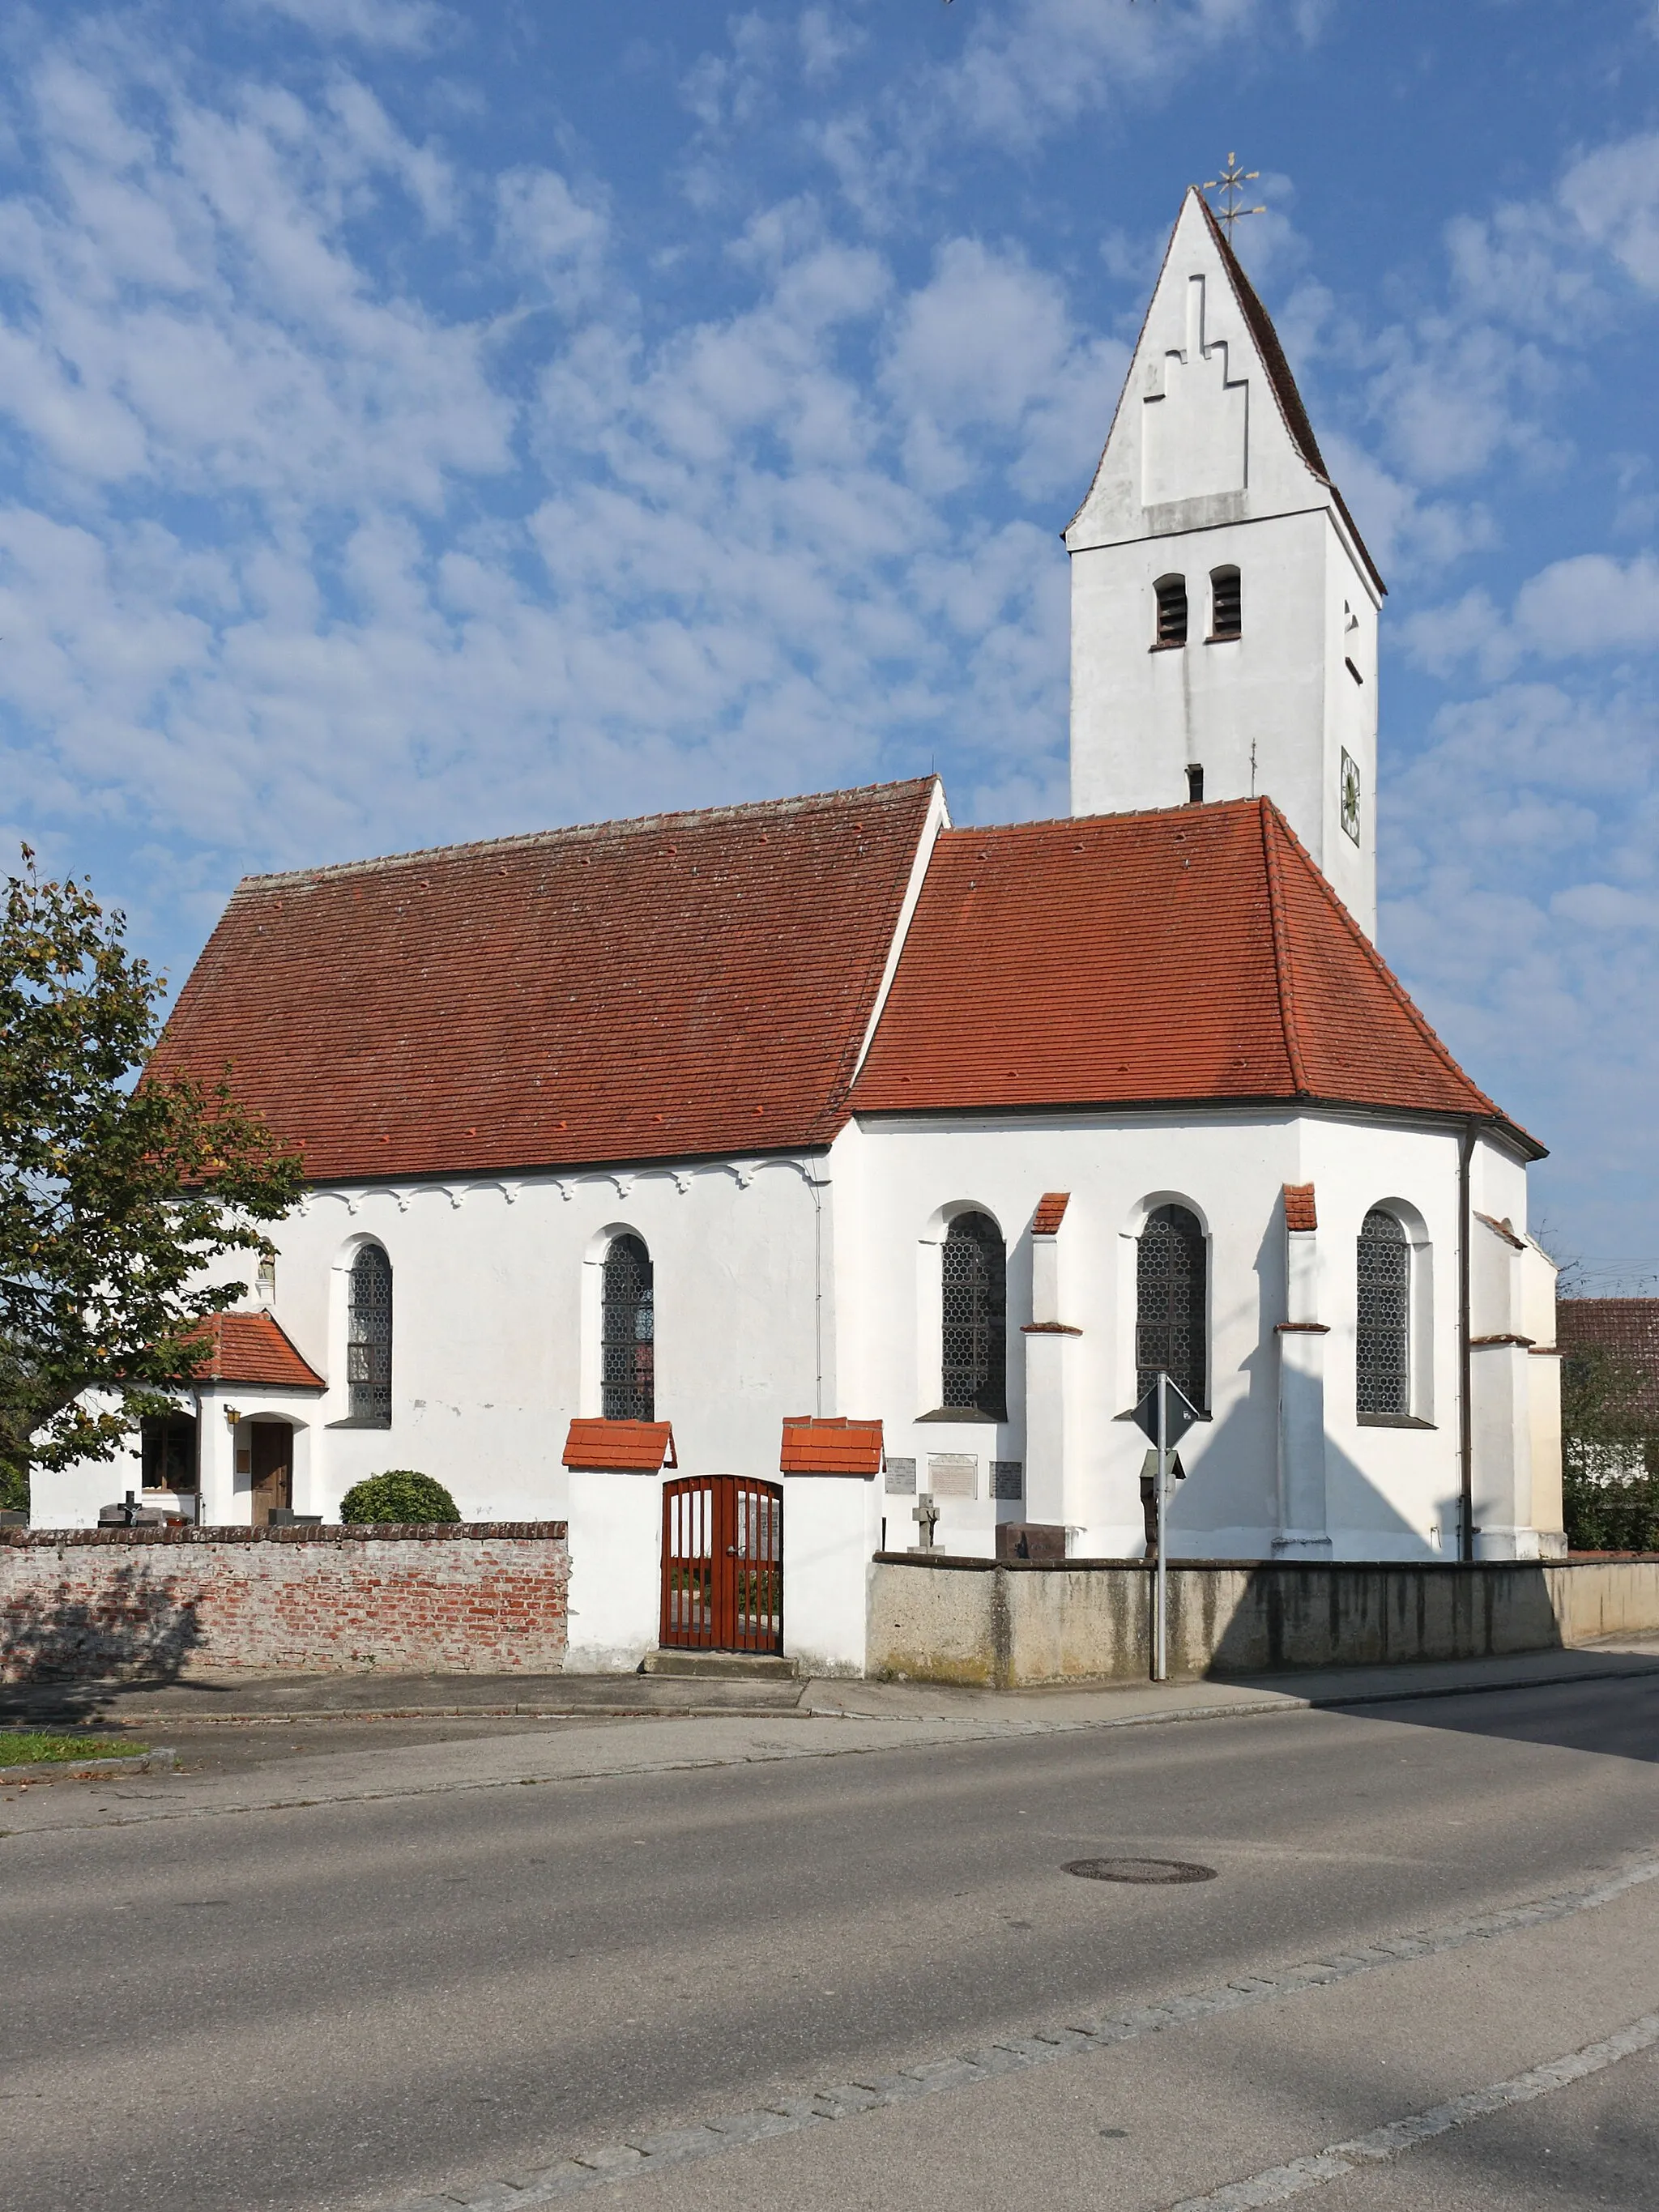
<point>273,1469</point>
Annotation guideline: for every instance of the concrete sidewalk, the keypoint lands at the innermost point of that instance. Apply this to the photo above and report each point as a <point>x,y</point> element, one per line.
<point>199,1700</point>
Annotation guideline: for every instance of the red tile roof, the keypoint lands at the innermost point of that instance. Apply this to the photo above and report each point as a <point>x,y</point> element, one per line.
<point>623,1447</point>
<point>251,1348</point>
<point>1191,956</point>
<point>830,1444</point>
<point>1625,1332</point>
<point>1300,1212</point>
<point>680,984</point>
<point>1051,1212</point>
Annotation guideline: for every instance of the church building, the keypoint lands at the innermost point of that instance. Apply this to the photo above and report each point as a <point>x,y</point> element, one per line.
<point>762,1188</point>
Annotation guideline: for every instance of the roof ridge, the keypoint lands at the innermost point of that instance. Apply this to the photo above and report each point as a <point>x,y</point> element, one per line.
<point>798,803</point>
<point>1282,978</point>
<point>1389,980</point>
<point>1210,809</point>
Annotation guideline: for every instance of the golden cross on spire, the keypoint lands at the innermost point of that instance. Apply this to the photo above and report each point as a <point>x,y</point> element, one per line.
<point>1231,183</point>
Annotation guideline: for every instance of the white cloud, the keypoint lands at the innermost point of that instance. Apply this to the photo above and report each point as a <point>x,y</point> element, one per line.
<point>404,27</point>
<point>1588,606</point>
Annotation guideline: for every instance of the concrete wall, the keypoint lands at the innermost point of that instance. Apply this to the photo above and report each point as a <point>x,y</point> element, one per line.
<point>1021,1622</point>
<point>145,1603</point>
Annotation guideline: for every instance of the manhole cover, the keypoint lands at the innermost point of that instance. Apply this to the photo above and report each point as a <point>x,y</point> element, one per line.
<point>1149,1870</point>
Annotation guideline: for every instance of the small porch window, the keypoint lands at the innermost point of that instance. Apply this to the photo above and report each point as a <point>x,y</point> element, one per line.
<point>166,1446</point>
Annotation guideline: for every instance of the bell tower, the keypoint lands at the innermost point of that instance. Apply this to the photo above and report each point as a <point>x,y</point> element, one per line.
<point>1224,606</point>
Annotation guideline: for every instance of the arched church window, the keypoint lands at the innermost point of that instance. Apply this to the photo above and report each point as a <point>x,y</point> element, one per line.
<point>1382,1350</point>
<point>1172,595</point>
<point>975,1315</point>
<point>628,1335</point>
<point>368,1338</point>
<point>1169,1302</point>
<point>1226,603</point>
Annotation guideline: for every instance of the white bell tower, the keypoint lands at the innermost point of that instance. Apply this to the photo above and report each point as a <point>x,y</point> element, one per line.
<point>1224,606</point>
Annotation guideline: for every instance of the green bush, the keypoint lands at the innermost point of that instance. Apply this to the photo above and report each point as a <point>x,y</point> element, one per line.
<point>400,1494</point>
<point>1610,1514</point>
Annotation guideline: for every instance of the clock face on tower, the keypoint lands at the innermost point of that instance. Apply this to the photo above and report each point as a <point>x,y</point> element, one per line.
<point>1350,794</point>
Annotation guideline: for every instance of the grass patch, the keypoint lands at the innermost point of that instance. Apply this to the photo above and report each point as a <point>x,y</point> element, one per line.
<point>40,1748</point>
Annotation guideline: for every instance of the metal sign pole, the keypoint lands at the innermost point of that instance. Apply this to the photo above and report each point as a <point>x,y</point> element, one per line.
<point>1160,1621</point>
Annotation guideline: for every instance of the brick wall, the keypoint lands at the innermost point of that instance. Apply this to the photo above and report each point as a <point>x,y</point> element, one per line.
<point>488,1597</point>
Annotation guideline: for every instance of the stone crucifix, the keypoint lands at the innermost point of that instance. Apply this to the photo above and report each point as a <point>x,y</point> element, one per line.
<point>924,1514</point>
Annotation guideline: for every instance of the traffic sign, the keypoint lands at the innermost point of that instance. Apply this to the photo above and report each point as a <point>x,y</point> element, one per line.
<point>1179,1412</point>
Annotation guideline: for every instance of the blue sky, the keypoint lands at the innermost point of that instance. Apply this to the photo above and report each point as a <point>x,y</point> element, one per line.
<point>422,422</point>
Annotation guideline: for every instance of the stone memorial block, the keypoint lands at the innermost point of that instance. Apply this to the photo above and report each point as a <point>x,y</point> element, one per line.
<point>953,1474</point>
<point>1008,1478</point>
<point>901,1477</point>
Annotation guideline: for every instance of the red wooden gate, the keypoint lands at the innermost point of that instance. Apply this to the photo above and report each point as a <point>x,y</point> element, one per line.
<point>722,1564</point>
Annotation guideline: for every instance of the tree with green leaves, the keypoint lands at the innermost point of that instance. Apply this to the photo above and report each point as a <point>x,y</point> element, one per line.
<point>1609,1456</point>
<point>117,1191</point>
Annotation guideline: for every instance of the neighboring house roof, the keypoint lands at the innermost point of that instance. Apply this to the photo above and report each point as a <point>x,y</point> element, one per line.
<point>1190,956</point>
<point>252,1347</point>
<point>829,1444</point>
<point>1625,1331</point>
<point>1291,405</point>
<point>680,985</point>
<point>626,1447</point>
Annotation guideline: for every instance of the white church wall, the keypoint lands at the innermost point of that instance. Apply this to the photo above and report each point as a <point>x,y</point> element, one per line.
<point>1392,1492</point>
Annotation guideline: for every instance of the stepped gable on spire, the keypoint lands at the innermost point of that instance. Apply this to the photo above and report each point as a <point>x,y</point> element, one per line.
<point>1191,956</point>
<point>1292,405</point>
<point>1230,455</point>
<point>683,985</point>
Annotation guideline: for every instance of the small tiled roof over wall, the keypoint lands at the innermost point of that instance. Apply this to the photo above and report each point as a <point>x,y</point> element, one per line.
<point>1625,1332</point>
<point>681,985</point>
<point>1194,955</point>
<point>252,1347</point>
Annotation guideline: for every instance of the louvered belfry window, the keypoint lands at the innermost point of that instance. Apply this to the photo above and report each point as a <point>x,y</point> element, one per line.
<point>627,1338</point>
<point>1382,1350</point>
<point>368,1338</point>
<point>1226,603</point>
<point>1169,1302</point>
<point>975,1363</point>
<point>1171,593</point>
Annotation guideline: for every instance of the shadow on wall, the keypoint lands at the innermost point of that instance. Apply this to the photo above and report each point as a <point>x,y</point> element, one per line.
<point>138,1627</point>
<point>1334,1615</point>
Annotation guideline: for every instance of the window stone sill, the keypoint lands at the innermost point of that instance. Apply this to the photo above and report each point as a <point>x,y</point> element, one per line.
<point>964,1417</point>
<point>1392,1421</point>
<point>359,1421</point>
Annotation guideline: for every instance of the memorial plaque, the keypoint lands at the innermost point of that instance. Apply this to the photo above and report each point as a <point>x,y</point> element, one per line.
<point>901,1478</point>
<point>953,1474</point>
<point>1007,1478</point>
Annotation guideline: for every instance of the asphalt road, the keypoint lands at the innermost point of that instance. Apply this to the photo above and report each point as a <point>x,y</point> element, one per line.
<point>351,2003</point>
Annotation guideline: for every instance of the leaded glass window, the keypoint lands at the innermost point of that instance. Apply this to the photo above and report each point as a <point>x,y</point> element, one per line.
<point>628,1337</point>
<point>975,1313</point>
<point>1382,1352</point>
<point>368,1338</point>
<point>1170,1303</point>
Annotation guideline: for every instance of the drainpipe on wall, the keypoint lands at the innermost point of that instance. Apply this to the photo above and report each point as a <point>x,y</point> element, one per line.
<point>1465,1410</point>
<point>806,1167</point>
